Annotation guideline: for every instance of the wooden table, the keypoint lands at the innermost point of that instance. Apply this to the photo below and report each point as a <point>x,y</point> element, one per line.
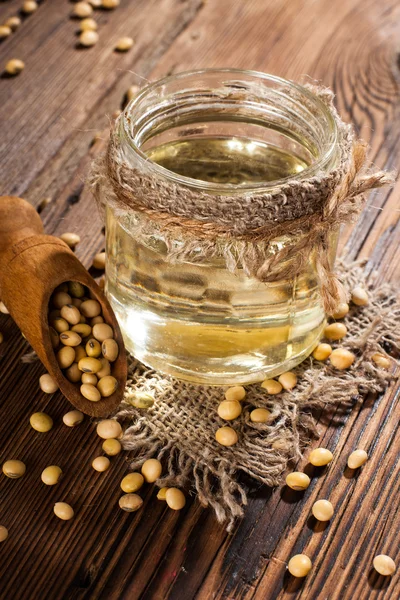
<point>49,117</point>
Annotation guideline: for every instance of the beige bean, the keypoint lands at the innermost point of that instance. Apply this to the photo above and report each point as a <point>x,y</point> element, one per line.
<point>88,24</point>
<point>90,392</point>
<point>14,469</point>
<point>41,422</point>
<point>101,463</point>
<point>65,357</point>
<point>130,502</point>
<point>83,329</point>
<point>14,66</point>
<point>3,309</point>
<point>13,22</point>
<point>102,332</point>
<point>93,348</point>
<point>99,261</point>
<point>381,360</point>
<point>88,38</point>
<point>341,310</point>
<point>109,428</point>
<point>73,418</point>
<point>124,44</point>
<point>5,31</point>
<point>73,373</point>
<point>89,378</point>
<point>82,10</point>
<point>335,331</point>
<point>60,299</point>
<point>80,353</point>
<point>132,482</point>
<point>51,475</point>
<point>288,380</point>
<point>229,410</point>
<point>132,92</point>
<point>226,436</point>
<point>299,565</point>
<point>237,392</point>
<point>342,358</point>
<point>105,368</point>
<point>162,493</point>
<point>260,415</point>
<point>71,239</point>
<point>90,308</point>
<point>322,352</point>
<point>29,6</point>
<point>95,320</point>
<point>71,313</point>
<point>63,511</point>
<point>322,510</point>
<point>3,533</point>
<point>70,338</point>
<point>110,4</point>
<point>151,470</point>
<point>384,565</point>
<point>272,386</point>
<point>319,457</point>
<point>297,481</point>
<point>60,325</point>
<point>47,384</point>
<point>357,459</point>
<point>107,386</point>
<point>175,498</point>
<point>112,447</point>
<point>110,350</point>
<point>359,296</point>
<point>89,365</point>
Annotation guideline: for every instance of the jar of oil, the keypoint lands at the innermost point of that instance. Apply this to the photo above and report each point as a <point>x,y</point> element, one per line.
<point>196,319</point>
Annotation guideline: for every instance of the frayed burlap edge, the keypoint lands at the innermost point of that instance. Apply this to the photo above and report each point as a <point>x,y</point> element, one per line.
<point>179,428</point>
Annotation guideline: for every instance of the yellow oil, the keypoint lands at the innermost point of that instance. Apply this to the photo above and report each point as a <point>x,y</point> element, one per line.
<point>198,321</point>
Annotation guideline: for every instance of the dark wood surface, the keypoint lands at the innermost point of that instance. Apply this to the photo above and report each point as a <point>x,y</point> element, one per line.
<point>49,115</point>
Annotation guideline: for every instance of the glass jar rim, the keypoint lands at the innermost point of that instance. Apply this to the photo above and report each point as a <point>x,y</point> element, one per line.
<point>231,188</point>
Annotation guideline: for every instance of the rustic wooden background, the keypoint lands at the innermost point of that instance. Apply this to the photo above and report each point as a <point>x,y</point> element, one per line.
<point>49,116</point>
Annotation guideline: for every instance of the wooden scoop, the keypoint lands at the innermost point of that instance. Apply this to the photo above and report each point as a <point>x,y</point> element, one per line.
<point>32,265</point>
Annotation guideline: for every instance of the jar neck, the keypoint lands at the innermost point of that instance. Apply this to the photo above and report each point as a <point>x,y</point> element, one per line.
<point>230,104</point>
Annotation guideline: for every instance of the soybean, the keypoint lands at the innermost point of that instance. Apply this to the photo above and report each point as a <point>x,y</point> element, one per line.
<point>89,365</point>
<point>273,387</point>
<point>107,386</point>
<point>88,25</point>
<point>151,470</point>
<point>288,380</point>
<point>41,422</point>
<point>3,533</point>
<point>88,38</point>
<point>131,92</point>
<point>381,360</point>
<point>319,457</point>
<point>14,66</point>
<point>70,338</point>
<point>260,415</point>
<point>73,373</point>
<point>29,6</point>
<point>335,331</point>
<point>175,498</point>
<point>124,44</point>
<point>384,565</point>
<point>82,10</point>
<point>132,482</point>
<point>47,384</point>
<point>73,418</point>
<point>322,510</point>
<point>71,239</point>
<point>109,428</point>
<point>322,352</point>
<point>60,325</point>
<point>13,23</point>
<point>162,493</point>
<point>110,4</point>
<point>89,378</point>
<point>83,329</point>
<point>102,332</point>
<point>229,410</point>
<point>80,353</point>
<point>359,296</point>
<point>51,475</point>
<point>101,463</point>
<point>5,31</point>
<point>14,469</point>
<point>95,320</point>
<point>93,348</point>
<point>299,565</point>
<point>70,313</point>
<point>65,357</point>
<point>226,436</point>
<point>111,447</point>
<point>90,392</point>
<point>130,502</point>
<point>236,392</point>
<point>90,308</point>
<point>342,359</point>
<point>60,299</point>
<point>63,511</point>
<point>99,261</point>
<point>297,481</point>
<point>109,349</point>
<point>4,309</point>
<point>357,459</point>
<point>341,311</point>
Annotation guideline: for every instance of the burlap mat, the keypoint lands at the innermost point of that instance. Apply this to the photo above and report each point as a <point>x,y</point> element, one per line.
<point>180,427</point>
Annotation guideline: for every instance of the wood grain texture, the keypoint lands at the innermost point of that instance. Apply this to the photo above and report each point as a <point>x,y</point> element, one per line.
<point>49,115</point>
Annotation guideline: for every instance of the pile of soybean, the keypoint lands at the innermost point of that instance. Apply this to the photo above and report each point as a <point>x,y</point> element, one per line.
<point>84,344</point>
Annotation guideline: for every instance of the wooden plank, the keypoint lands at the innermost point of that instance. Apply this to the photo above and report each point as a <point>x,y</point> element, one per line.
<point>45,151</point>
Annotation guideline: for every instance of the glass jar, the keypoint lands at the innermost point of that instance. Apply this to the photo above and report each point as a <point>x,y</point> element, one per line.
<point>196,319</point>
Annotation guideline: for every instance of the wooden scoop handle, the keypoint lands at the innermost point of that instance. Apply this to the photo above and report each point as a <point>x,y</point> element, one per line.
<point>32,265</point>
